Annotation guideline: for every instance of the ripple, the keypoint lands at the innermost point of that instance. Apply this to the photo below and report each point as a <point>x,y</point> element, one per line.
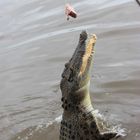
<point>74,29</point>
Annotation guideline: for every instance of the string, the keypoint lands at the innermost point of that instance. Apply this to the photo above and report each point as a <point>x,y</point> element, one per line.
<point>65,2</point>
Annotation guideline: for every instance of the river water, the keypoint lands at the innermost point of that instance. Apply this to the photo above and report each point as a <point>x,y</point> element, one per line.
<point>35,42</point>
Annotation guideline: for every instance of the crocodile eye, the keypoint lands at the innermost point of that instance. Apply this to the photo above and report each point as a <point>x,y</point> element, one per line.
<point>71,76</point>
<point>64,74</point>
<point>66,65</point>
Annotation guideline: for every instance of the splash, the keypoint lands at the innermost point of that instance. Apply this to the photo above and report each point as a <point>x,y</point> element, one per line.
<point>109,126</point>
<point>42,131</point>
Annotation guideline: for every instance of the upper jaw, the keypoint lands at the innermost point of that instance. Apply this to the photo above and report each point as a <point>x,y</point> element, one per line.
<point>88,53</point>
<point>77,68</point>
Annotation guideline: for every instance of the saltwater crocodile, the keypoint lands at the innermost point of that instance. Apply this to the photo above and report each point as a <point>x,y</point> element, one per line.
<point>78,121</point>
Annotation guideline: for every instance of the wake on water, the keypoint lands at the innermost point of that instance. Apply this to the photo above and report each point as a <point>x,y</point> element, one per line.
<point>53,127</point>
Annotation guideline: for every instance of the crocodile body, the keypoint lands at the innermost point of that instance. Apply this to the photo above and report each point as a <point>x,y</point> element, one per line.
<point>78,121</point>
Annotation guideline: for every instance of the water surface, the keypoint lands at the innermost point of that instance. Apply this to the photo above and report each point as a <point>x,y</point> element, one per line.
<point>35,42</point>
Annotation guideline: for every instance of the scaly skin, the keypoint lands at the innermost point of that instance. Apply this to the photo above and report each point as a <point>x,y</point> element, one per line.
<point>78,121</point>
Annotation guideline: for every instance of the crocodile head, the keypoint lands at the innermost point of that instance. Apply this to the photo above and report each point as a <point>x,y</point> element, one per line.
<point>75,77</point>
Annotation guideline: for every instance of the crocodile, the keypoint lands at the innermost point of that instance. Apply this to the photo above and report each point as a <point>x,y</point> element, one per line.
<point>78,119</point>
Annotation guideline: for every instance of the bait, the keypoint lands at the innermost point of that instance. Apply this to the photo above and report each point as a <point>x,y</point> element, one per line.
<point>69,11</point>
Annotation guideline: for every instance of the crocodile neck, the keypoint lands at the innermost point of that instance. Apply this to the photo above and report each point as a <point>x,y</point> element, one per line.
<point>83,105</point>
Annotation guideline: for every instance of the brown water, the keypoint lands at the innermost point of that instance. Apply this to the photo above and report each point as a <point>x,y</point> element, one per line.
<point>36,41</point>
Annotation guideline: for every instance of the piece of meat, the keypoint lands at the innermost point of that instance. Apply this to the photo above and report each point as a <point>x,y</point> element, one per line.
<point>69,11</point>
